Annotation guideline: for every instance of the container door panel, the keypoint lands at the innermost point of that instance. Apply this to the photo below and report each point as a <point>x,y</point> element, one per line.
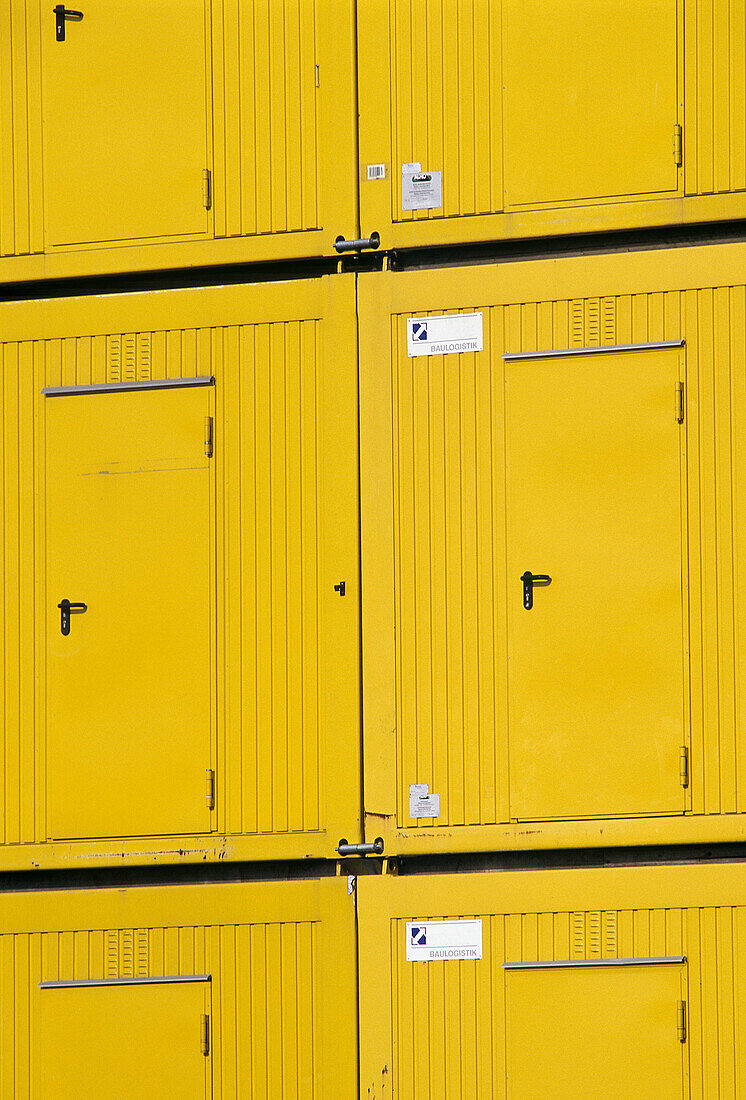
<point>108,1042</point>
<point>590,1032</point>
<point>590,99</point>
<point>129,686</point>
<point>596,688</point>
<point>125,122</point>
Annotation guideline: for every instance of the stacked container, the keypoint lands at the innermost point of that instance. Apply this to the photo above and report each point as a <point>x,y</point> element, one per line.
<point>434,551</point>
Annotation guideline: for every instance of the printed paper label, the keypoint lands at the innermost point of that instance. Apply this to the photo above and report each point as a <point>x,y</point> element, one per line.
<point>456,332</point>
<point>435,940</point>
<point>421,190</point>
<point>376,171</point>
<point>415,166</point>
<point>421,802</point>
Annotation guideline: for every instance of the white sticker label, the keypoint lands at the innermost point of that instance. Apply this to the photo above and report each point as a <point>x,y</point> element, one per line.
<point>456,332</point>
<point>376,171</point>
<point>421,190</point>
<point>415,166</point>
<point>421,802</point>
<point>435,940</point>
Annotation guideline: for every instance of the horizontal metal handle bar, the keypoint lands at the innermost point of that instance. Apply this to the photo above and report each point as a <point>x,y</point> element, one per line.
<point>567,964</point>
<point>123,387</point>
<point>374,849</point>
<point>561,353</point>
<point>172,979</point>
<point>373,241</point>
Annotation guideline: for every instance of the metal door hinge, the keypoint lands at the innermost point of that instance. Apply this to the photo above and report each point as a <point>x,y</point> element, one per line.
<point>207,188</point>
<point>684,766</point>
<point>210,789</point>
<point>679,402</point>
<point>681,1021</point>
<point>204,1033</point>
<point>677,144</point>
<point>208,436</point>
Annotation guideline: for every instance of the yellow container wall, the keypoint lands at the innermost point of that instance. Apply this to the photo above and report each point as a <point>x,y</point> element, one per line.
<point>281,994</point>
<point>267,126</point>
<point>446,1028</point>
<point>447,88</point>
<point>21,225</point>
<point>435,600</point>
<point>267,111</point>
<point>285,682</point>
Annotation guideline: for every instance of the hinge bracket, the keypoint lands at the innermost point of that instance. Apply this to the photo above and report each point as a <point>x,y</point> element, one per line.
<point>208,436</point>
<point>677,156</point>
<point>204,1029</point>
<point>210,788</point>
<point>206,188</point>
<point>679,402</point>
<point>681,1021</point>
<point>684,766</point>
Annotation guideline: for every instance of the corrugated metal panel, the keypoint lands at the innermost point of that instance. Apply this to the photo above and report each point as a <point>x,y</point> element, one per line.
<point>445,87</point>
<point>285,681</point>
<point>20,129</point>
<point>260,159</point>
<point>280,958</point>
<point>445,1028</point>
<point>433,470</point>
<point>715,68</point>
<point>265,56</point>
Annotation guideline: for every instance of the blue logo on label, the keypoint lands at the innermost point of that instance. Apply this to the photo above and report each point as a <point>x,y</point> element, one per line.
<point>419,937</point>
<point>419,330</point>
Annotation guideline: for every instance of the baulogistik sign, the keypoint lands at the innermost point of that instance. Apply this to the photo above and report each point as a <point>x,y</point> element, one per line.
<point>453,333</point>
<point>438,940</point>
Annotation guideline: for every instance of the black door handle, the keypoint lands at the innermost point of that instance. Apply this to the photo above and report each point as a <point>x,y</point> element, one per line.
<point>531,580</point>
<point>66,610</point>
<point>61,14</point>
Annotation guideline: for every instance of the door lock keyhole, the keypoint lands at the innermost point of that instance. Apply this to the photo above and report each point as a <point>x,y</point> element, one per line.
<point>66,610</point>
<point>531,581</point>
<point>61,13</point>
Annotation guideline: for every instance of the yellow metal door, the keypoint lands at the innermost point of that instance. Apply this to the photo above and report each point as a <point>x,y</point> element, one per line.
<point>587,1031</point>
<point>590,99</point>
<point>124,1041</point>
<point>594,502</point>
<point>125,121</point>
<point>128,535</point>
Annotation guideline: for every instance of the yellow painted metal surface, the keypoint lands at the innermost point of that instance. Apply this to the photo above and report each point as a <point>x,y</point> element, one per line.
<point>124,109</point>
<point>589,100</point>
<point>214,637</point>
<point>595,669</point>
<point>550,119</point>
<point>475,469</point>
<point>211,132</point>
<point>271,966</point>
<point>624,1015</point>
<point>123,1040</point>
<point>468,1027</point>
<point>129,532</point>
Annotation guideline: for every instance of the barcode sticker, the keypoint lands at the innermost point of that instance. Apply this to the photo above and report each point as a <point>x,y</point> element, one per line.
<point>376,171</point>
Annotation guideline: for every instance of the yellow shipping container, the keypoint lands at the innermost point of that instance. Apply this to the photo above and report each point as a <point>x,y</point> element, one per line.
<point>180,575</point>
<point>557,984</point>
<point>193,991</point>
<point>518,118</point>
<point>554,552</point>
<point>174,134</point>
